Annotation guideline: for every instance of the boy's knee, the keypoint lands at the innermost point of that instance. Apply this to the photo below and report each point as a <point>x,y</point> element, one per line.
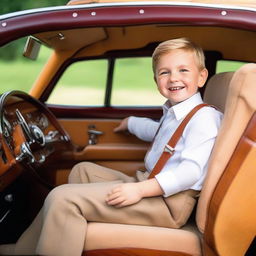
<point>78,171</point>
<point>81,167</point>
<point>57,195</point>
<point>62,200</point>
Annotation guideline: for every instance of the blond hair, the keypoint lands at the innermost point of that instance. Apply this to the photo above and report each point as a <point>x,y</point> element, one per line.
<point>179,43</point>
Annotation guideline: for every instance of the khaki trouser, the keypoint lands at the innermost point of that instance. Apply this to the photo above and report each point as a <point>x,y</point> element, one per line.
<point>60,227</point>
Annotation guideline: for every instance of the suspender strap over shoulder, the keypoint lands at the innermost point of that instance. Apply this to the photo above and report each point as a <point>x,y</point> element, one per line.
<point>170,146</point>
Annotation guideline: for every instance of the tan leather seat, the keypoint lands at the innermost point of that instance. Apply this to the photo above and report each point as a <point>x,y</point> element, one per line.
<point>225,222</point>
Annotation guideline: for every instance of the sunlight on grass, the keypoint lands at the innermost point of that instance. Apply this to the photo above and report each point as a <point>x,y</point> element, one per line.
<point>90,96</point>
<point>138,98</point>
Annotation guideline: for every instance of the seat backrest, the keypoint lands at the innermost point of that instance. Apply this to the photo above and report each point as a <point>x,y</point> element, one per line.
<point>231,223</point>
<point>217,88</point>
<point>239,107</point>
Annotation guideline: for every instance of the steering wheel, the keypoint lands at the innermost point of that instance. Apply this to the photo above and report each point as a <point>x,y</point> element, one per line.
<point>30,134</point>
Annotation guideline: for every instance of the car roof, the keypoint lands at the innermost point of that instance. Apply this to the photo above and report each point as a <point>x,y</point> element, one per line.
<point>93,29</point>
<point>237,3</point>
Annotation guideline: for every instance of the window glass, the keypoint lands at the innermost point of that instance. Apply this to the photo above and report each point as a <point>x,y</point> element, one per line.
<point>228,65</point>
<point>16,71</point>
<point>83,83</point>
<point>133,83</point>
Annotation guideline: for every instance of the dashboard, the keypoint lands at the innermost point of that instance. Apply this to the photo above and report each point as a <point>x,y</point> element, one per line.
<point>30,136</point>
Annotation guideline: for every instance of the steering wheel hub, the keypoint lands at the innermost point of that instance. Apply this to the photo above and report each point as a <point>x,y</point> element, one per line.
<point>38,135</point>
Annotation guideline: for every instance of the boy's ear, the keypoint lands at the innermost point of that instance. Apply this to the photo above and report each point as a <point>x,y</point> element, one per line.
<point>202,77</point>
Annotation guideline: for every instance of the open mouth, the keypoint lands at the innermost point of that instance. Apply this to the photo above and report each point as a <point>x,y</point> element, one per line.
<point>177,88</point>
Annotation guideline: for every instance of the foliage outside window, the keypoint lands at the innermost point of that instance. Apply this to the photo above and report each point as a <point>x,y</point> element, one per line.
<point>228,65</point>
<point>7,6</point>
<point>134,84</point>
<point>16,71</point>
<point>83,83</point>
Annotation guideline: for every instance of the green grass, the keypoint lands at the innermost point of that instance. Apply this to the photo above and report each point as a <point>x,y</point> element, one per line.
<point>92,73</point>
<point>21,73</point>
<point>133,73</point>
<point>17,77</point>
<point>226,66</point>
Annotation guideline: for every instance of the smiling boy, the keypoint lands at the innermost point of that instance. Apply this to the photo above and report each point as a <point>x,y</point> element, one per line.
<point>179,71</point>
<point>111,196</point>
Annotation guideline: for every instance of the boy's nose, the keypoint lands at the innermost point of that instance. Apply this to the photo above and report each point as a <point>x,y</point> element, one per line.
<point>173,77</point>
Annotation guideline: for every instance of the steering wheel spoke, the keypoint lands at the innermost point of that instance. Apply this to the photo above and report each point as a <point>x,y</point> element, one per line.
<point>24,126</point>
<point>25,153</point>
<point>31,133</point>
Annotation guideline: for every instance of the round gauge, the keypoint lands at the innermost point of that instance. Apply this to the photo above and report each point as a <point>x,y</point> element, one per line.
<point>42,121</point>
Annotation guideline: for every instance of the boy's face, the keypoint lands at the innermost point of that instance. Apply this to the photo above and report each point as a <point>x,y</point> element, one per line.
<point>178,76</point>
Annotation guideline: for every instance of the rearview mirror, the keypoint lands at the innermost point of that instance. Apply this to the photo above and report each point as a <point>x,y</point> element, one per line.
<point>32,48</point>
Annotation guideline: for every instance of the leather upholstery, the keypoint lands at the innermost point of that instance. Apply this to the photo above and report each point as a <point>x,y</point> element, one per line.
<point>240,106</point>
<point>217,89</point>
<point>107,235</point>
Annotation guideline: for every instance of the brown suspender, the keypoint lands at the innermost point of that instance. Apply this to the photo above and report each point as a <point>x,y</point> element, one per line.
<point>170,146</point>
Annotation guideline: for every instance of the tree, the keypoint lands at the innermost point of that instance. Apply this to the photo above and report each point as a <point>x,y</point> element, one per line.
<point>7,6</point>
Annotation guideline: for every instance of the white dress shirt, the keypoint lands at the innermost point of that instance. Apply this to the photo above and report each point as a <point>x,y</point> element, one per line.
<point>186,169</point>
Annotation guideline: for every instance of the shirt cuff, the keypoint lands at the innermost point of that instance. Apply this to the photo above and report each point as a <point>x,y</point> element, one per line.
<point>168,182</point>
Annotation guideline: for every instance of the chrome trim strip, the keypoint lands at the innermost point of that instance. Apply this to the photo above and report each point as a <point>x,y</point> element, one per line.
<point>4,216</point>
<point>146,3</point>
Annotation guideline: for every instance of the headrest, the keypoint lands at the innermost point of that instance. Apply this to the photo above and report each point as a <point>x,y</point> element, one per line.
<point>217,88</point>
<point>240,106</point>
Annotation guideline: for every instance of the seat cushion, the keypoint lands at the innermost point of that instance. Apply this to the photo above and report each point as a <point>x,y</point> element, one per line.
<point>108,235</point>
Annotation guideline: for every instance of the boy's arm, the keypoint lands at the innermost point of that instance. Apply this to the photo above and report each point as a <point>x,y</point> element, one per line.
<point>143,128</point>
<point>131,193</point>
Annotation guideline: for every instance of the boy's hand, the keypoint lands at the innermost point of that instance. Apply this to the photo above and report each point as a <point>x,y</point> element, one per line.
<point>124,194</point>
<point>130,193</point>
<point>123,126</point>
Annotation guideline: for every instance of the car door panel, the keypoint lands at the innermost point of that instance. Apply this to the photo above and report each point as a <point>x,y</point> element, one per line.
<point>121,151</point>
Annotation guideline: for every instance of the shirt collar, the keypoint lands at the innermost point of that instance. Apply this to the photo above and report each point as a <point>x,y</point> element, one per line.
<point>183,108</point>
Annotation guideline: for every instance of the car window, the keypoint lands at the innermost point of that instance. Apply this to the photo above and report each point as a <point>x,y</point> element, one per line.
<point>133,83</point>
<point>16,71</point>
<point>83,83</point>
